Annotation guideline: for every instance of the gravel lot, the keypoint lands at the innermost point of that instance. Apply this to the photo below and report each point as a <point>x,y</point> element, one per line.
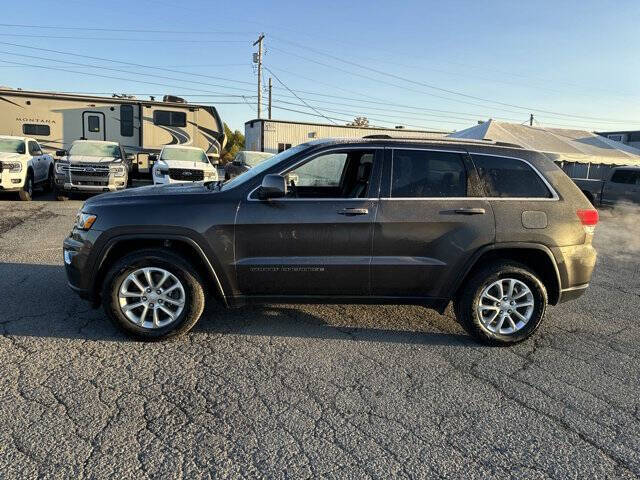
<point>312,391</point>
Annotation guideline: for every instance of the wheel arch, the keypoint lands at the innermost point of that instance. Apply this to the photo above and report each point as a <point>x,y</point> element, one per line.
<point>535,256</point>
<point>185,246</point>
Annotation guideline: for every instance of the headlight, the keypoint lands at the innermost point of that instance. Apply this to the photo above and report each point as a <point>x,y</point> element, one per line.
<point>62,167</point>
<point>118,171</point>
<point>14,167</point>
<point>84,221</point>
<point>161,173</point>
<point>210,175</point>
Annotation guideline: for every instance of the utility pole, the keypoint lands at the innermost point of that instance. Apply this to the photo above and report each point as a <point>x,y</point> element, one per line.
<point>270,86</point>
<point>531,119</point>
<point>259,62</point>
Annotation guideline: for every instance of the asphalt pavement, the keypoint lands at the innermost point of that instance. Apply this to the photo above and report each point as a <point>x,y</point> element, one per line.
<point>335,391</point>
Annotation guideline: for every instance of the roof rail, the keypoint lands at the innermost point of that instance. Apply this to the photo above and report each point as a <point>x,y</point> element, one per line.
<point>444,140</point>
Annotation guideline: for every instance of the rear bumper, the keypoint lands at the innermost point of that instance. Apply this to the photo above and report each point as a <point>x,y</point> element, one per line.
<point>575,267</point>
<point>572,293</point>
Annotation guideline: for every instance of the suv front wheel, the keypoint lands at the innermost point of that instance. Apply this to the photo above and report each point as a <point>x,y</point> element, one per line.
<point>502,304</point>
<point>153,294</point>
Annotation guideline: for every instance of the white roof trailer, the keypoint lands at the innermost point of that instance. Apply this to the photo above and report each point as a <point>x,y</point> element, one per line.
<point>274,136</point>
<point>141,126</point>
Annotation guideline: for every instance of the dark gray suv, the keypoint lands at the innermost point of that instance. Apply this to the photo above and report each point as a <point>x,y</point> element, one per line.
<point>498,230</point>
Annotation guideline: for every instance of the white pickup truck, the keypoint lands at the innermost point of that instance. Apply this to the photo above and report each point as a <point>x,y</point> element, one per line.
<point>23,166</point>
<point>180,164</point>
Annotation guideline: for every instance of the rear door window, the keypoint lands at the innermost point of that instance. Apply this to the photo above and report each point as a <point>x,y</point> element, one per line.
<point>629,177</point>
<point>505,177</point>
<point>427,174</point>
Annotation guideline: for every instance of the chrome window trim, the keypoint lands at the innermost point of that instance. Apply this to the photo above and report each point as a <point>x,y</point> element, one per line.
<point>555,197</point>
<point>308,159</point>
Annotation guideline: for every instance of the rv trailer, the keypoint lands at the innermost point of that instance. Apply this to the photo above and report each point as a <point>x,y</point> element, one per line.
<point>142,127</point>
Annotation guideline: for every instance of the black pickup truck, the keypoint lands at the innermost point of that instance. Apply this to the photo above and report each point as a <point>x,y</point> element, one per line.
<point>620,186</point>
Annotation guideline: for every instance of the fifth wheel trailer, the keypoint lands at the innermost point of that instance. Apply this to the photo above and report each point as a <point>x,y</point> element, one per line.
<point>142,127</point>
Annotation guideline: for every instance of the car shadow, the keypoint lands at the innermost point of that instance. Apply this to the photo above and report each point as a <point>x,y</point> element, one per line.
<point>37,302</point>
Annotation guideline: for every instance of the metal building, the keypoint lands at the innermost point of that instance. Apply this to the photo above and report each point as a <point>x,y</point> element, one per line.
<point>274,136</point>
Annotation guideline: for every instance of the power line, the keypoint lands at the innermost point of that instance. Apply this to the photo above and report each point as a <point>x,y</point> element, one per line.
<point>104,76</point>
<point>120,39</point>
<point>296,95</point>
<point>61,52</point>
<point>97,29</point>
<point>125,71</point>
<point>434,87</point>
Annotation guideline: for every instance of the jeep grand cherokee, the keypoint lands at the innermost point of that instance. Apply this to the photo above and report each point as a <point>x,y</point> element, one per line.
<point>498,230</point>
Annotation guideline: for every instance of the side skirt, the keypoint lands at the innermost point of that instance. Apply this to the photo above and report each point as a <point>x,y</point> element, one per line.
<point>438,304</point>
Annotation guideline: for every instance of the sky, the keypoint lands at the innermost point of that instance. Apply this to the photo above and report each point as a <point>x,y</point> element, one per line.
<point>422,64</point>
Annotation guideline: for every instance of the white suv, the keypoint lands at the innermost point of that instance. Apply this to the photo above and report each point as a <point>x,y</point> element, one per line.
<point>23,165</point>
<point>178,164</point>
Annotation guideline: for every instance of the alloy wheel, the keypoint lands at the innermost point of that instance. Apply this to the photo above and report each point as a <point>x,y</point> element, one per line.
<point>151,297</point>
<point>505,306</point>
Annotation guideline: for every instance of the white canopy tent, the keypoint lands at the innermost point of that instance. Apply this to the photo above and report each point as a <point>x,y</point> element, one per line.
<point>566,145</point>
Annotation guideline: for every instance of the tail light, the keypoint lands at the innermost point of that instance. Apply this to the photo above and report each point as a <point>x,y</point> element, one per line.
<point>589,219</point>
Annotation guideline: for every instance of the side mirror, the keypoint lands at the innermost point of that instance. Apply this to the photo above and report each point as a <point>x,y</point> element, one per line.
<point>273,186</point>
<point>153,157</point>
<point>213,161</point>
<point>131,157</point>
<point>61,153</point>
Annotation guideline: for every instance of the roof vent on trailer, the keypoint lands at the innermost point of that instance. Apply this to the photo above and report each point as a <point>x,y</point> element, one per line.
<point>173,99</point>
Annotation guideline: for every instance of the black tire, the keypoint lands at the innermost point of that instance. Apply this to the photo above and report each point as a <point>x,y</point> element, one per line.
<point>26,194</point>
<point>194,301</point>
<point>465,305</point>
<point>61,195</point>
<point>50,183</point>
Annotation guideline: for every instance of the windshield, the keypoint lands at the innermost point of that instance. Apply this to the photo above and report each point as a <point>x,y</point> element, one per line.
<point>266,165</point>
<point>8,145</point>
<point>184,154</point>
<point>95,149</point>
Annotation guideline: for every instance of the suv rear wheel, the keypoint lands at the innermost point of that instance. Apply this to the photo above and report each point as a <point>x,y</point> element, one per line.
<point>502,304</point>
<point>153,294</point>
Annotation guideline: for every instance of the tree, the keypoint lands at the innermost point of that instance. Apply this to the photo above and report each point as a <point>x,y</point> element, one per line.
<point>235,143</point>
<point>359,122</point>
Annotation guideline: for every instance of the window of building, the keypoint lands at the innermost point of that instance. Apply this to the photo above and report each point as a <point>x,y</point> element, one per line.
<point>93,123</point>
<point>283,146</point>
<point>630,177</point>
<point>168,118</point>
<point>509,177</point>
<point>126,120</point>
<point>423,174</point>
<point>37,130</point>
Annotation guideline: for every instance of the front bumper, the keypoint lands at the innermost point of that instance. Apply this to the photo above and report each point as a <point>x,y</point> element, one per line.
<point>109,183</point>
<point>11,182</point>
<point>77,248</point>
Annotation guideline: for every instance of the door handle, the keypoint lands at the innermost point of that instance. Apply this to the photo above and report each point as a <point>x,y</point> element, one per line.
<point>470,211</point>
<point>353,211</point>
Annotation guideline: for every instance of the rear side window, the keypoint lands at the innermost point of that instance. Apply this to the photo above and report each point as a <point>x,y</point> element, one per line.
<point>37,130</point>
<point>424,174</point>
<point>509,177</point>
<point>630,177</point>
<point>126,120</point>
